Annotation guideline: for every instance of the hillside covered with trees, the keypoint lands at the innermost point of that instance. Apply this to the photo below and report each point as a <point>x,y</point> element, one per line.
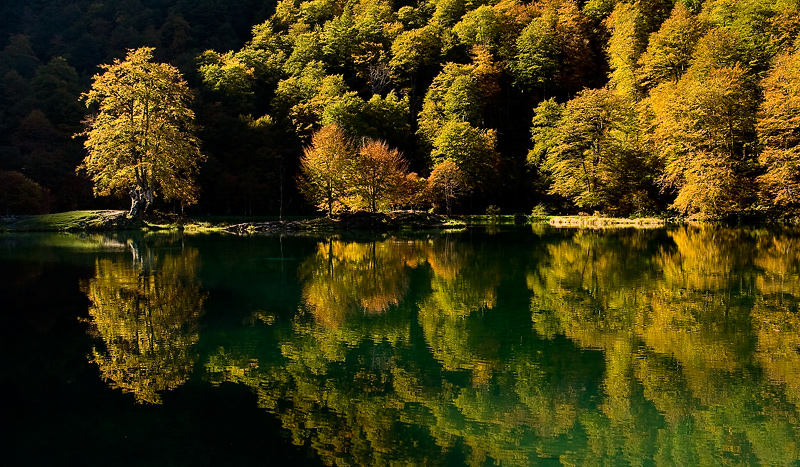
<point>601,106</point>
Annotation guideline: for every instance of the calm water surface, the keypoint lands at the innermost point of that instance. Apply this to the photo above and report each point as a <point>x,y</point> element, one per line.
<point>523,347</point>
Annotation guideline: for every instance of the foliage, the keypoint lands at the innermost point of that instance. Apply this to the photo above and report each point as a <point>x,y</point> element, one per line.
<point>591,152</point>
<point>396,72</point>
<point>779,131</point>
<point>704,128</point>
<point>446,184</point>
<point>338,174</point>
<point>669,50</point>
<point>325,169</point>
<point>379,176</point>
<point>20,195</point>
<point>141,142</point>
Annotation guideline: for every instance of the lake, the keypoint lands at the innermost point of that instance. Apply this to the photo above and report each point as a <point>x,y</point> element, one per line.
<point>524,346</point>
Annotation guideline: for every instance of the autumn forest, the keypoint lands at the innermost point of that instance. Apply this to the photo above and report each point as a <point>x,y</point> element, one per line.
<point>688,107</point>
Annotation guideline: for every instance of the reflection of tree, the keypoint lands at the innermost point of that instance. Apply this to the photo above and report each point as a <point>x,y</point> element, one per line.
<point>147,316</point>
<point>345,277</point>
<point>588,286</point>
<point>463,286</point>
<point>699,311</point>
<point>776,312</point>
<point>678,327</point>
<point>646,348</point>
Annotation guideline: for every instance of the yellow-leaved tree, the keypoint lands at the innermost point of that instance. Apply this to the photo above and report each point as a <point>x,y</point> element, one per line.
<point>141,140</point>
<point>779,131</point>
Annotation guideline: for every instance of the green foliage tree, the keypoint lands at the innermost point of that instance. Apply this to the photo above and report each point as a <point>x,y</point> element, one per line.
<point>544,131</point>
<point>473,150</point>
<point>454,95</point>
<point>20,195</point>
<point>142,140</point>
<point>592,153</point>
<point>228,75</point>
<point>537,61</point>
<point>480,26</point>
<point>55,86</point>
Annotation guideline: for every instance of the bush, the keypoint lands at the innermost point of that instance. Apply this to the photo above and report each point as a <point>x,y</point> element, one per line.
<point>20,195</point>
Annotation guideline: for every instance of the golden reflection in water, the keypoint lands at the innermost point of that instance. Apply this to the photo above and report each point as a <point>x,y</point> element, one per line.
<point>345,277</point>
<point>146,313</point>
<point>712,305</point>
<point>776,312</point>
<point>653,354</point>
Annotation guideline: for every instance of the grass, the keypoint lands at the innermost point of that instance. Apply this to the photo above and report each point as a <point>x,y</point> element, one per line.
<point>72,221</point>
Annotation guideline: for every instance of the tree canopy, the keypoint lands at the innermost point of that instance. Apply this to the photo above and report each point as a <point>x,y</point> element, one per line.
<point>420,77</point>
<point>141,142</point>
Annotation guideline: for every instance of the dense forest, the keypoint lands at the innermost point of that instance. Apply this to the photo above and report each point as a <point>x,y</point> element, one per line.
<point>691,107</point>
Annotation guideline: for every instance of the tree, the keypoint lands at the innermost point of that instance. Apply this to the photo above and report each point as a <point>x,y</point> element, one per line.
<point>625,45</point>
<point>142,140</point>
<point>703,129</point>
<point>480,26</point>
<point>446,184</point>
<point>20,195</point>
<point>592,153</point>
<point>472,149</point>
<point>537,61</point>
<point>379,175</point>
<point>779,131</point>
<point>454,95</point>
<point>669,51</point>
<point>325,169</point>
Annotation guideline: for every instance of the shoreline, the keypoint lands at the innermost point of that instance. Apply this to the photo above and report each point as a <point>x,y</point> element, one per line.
<point>117,220</point>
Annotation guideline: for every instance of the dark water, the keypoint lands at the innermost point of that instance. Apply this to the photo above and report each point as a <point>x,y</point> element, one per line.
<point>525,347</point>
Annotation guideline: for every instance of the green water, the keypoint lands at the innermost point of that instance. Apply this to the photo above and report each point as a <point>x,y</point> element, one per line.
<point>523,347</point>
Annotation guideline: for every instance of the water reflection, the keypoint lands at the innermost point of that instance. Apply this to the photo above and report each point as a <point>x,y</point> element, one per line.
<point>146,312</point>
<point>656,347</point>
<point>346,277</point>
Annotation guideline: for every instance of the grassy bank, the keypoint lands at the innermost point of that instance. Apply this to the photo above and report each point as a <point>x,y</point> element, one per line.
<point>72,221</point>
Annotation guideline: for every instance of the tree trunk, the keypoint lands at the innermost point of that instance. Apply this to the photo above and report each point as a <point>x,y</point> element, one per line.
<point>140,202</point>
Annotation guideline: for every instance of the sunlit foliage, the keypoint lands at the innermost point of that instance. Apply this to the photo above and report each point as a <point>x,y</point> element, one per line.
<point>779,131</point>
<point>325,168</point>
<point>403,73</point>
<point>592,153</point>
<point>142,143</point>
<point>445,185</point>
<point>704,126</point>
<point>339,174</point>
